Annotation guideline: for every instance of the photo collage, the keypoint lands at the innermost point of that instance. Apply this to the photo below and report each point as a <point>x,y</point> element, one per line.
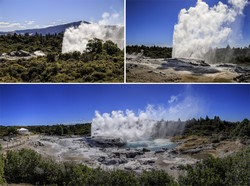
<point>124,92</point>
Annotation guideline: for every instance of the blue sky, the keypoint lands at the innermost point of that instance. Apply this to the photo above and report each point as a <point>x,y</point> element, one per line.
<point>151,22</point>
<point>24,14</point>
<point>37,104</point>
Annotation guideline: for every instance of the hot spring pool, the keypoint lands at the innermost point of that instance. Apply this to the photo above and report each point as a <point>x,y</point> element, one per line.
<point>151,144</point>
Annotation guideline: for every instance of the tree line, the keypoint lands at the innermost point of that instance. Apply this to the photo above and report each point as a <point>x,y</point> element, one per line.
<point>15,42</point>
<point>215,127</point>
<point>239,56</point>
<point>152,52</point>
<point>216,55</point>
<point>59,130</point>
<point>218,129</point>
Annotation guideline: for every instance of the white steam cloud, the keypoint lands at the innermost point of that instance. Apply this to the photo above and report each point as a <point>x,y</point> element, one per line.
<point>131,126</point>
<point>202,28</point>
<point>76,39</point>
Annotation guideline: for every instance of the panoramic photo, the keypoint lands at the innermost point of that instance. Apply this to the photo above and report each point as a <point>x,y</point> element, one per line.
<point>62,41</point>
<point>188,41</point>
<point>110,134</point>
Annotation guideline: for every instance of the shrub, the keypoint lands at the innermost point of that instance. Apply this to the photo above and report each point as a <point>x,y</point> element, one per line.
<point>20,166</point>
<point>231,170</point>
<point>51,58</point>
<point>156,177</point>
<point>2,180</point>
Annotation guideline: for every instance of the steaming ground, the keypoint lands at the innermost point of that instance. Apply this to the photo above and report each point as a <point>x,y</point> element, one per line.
<point>189,150</point>
<point>74,149</point>
<point>144,69</point>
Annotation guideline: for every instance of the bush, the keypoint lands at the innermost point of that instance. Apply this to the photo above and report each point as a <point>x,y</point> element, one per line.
<point>20,166</point>
<point>51,58</point>
<point>231,170</point>
<point>121,177</point>
<point>156,177</point>
<point>26,166</point>
<point>2,180</point>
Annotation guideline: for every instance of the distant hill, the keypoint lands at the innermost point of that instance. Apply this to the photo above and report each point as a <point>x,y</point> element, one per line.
<point>47,30</point>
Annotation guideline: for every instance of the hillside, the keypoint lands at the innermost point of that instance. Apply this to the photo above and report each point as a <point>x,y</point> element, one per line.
<point>48,30</point>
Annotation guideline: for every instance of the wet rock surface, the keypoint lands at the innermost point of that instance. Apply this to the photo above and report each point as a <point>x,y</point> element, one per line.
<point>243,78</point>
<point>80,151</point>
<point>143,69</point>
<point>104,142</point>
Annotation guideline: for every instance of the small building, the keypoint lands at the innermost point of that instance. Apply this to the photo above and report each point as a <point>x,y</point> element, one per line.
<point>23,131</point>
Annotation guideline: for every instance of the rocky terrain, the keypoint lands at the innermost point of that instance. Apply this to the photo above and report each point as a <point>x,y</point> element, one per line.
<point>201,147</point>
<point>144,69</point>
<point>109,154</point>
<point>21,54</point>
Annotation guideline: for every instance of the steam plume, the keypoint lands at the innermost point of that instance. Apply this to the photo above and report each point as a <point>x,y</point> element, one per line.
<point>147,123</point>
<point>76,39</point>
<point>201,28</point>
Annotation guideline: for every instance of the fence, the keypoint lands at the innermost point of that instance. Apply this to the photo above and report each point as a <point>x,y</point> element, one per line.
<point>12,144</point>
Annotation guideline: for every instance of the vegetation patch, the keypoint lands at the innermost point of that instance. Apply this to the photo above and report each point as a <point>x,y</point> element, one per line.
<point>101,62</point>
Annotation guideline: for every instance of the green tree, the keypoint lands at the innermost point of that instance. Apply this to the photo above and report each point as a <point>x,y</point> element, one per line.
<point>94,46</point>
<point>110,47</point>
<point>59,130</point>
<point>51,58</point>
<point>12,131</point>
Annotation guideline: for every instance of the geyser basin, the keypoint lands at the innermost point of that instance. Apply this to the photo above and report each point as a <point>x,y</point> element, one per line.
<point>151,144</point>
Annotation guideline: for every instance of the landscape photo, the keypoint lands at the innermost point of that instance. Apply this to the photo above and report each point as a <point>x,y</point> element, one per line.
<point>61,41</point>
<point>188,41</point>
<point>109,134</point>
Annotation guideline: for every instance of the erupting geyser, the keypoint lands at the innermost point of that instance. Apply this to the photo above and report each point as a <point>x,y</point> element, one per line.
<point>76,39</point>
<point>129,127</point>
<point>201,28</point>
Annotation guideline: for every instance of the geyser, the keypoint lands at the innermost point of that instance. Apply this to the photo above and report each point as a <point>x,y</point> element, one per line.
<point>201,28</point>
<point>76,39</point>
<point>109,28</point>
<point>130,127</point>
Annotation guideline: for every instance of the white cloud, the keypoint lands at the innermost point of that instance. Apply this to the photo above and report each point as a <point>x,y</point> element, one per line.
<point>21,26</point>
<point>173,99</point>
<point>10,25</point>
<point>29,22</point>
<point>4,23</point>
<point>105,15</point>
<point>111,19</point>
